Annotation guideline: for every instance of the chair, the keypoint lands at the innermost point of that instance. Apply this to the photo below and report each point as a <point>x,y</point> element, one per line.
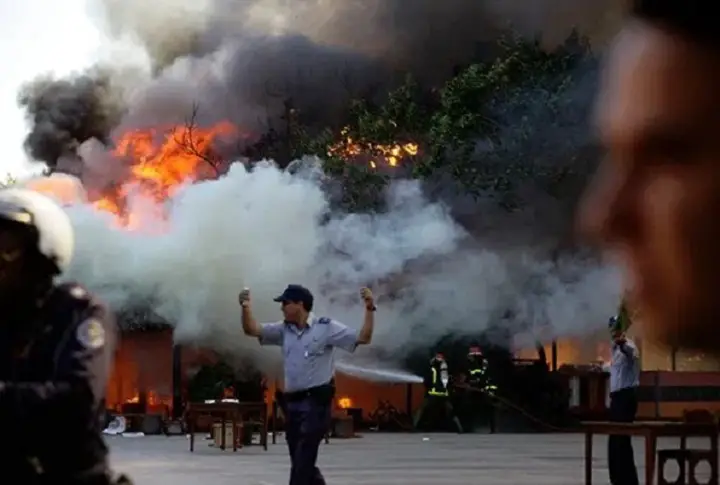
<point>687,459</point>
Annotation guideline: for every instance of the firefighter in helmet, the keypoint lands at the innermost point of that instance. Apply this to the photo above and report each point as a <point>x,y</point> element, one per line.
<point>437,409</point>
<point>478,376</point>
<point>479,400</point>
<point>56,350</point>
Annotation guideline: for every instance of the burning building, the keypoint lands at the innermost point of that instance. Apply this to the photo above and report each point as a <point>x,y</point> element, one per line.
<point>152,373</point>
<point>168,226</point>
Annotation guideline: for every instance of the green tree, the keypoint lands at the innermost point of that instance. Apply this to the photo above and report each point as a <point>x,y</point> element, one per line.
<point>504,103</point>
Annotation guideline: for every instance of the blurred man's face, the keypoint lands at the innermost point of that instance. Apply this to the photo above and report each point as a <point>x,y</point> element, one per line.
<point>292,311</point>
<point>656,198</point>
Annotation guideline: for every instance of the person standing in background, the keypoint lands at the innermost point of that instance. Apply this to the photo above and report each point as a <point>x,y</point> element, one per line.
<point>479,398</point>
<point>437,402</point>
<point>624,381</point>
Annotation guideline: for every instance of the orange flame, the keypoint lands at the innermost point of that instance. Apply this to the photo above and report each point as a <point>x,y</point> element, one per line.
<point>391,154</point>
<point>152,398</point>
<point>344,402</point>
<point>161,162</point>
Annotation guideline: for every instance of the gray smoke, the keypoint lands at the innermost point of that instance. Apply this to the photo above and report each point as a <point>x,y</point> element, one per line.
<point>241,59</point>
<point>439,265</point>
<point>265,228</point>
<point>64,113</point>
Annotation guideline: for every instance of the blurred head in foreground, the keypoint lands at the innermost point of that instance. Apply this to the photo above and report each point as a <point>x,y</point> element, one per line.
<point>656,198</point>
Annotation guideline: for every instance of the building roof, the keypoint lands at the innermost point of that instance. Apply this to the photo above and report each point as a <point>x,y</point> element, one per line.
<point>141,319</point>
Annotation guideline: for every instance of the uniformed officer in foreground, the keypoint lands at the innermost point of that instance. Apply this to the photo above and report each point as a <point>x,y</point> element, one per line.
<point>56,351</point>
<point>624,380</point>
<point>308,344</point>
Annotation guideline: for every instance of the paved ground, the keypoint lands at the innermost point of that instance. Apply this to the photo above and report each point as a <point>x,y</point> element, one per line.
<point>375,459</point>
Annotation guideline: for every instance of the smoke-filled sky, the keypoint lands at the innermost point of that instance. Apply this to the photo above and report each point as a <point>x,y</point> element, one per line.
<point>266,228</point>
<point>37,36</point>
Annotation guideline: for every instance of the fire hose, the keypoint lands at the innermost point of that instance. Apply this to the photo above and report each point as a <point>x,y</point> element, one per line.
<point>497,400</point>
<point>505,402</point>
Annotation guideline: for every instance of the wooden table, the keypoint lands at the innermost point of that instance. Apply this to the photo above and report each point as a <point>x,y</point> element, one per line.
<point>651,431</point>
<point>235,412</point>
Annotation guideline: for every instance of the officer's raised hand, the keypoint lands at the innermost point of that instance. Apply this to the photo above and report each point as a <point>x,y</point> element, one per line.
<point>244,298</point>
<point>367,297</point>
<point>250,326</point>
<point>365,334</point>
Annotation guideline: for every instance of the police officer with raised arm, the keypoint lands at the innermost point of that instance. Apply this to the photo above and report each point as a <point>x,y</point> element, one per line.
<point>308,344</point>
<point>56,351</point>
<point>624,380</point>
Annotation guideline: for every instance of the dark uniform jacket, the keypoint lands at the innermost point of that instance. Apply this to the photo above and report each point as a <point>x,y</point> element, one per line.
<point>477,370</point>
<point>434,385</point>
<point>52,392</point>
<point>478,375</point>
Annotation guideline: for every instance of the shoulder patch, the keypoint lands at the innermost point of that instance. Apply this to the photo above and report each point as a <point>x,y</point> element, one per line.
<point>324,320</point>
<point>91,334</point>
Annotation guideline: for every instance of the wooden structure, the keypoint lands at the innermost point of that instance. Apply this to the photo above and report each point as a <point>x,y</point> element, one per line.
<point>588,391</point>
<point>651,431</point>
<point>235,413</point>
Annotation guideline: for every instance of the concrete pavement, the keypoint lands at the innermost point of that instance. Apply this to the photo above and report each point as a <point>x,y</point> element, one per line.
<point>376,459</point>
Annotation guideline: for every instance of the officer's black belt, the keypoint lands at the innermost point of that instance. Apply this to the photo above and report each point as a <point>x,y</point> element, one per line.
<point>321,393</point>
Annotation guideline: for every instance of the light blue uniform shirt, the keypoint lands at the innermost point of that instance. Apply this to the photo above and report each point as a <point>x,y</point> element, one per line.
<point>309,353</point>
<point>624,366</point>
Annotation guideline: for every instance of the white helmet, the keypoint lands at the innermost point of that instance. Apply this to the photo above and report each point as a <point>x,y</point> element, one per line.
<point>56,237</point>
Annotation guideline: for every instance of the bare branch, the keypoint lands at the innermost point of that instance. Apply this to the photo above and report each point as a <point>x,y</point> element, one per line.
<point>185,138</point>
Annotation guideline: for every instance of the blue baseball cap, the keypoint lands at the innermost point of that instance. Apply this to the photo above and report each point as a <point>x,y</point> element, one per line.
<point>295,293</point>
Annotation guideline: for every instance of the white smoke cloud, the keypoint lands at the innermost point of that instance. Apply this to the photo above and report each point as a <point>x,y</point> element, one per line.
<point>267,228</point>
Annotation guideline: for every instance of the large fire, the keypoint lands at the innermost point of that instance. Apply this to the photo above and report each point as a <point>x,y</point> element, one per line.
<point>350,148</point>
<point>161,161</point>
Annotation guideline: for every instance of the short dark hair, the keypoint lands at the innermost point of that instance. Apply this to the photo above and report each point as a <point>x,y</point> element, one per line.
<point>692,19</point>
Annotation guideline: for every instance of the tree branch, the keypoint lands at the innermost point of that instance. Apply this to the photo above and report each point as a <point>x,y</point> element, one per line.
<point>186,139</point>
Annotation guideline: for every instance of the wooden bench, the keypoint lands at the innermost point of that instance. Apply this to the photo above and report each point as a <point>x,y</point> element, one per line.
<point>651,431</point>
<point>233,412</point>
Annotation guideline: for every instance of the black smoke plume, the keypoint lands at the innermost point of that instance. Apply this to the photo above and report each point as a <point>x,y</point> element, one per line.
<point>241,59</point>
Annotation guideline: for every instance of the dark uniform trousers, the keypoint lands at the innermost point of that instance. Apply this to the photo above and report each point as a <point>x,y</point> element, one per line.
<point>307,419</point>
<point>479,409</point>
<point>437,402</point>
<point>621,459</point>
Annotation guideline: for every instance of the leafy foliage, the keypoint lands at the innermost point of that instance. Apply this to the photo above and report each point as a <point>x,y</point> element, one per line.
<point>487,103</point>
